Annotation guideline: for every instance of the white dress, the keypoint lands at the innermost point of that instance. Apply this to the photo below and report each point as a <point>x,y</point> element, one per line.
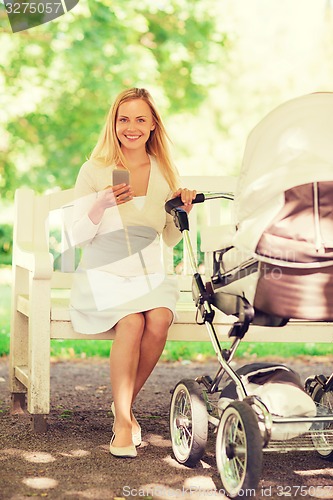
<point>121,270</point>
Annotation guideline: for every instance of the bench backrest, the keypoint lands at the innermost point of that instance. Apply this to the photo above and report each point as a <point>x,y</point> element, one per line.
<point>37,215</point>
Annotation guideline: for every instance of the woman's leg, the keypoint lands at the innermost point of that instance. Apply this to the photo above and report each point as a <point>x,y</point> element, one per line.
<point>157,322</point>
<point>124,361</point>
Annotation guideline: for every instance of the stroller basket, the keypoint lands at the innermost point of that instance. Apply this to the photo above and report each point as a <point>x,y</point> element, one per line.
<point>317,440</point>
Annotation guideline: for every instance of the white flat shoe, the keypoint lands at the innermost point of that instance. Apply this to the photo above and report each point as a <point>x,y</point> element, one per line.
<point>136,436</point>
<point>122,451</point>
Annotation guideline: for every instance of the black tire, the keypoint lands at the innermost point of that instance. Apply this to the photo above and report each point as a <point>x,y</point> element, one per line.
<point>188,422</point>
<point>323,442</point>
<point>239,450</point>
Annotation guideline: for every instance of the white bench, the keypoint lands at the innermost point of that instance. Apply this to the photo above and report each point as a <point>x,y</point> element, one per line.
<point>40,295</point>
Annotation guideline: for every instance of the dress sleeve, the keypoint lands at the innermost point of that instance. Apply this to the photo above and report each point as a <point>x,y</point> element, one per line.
<point>171,234</point>
<point>83,229</point>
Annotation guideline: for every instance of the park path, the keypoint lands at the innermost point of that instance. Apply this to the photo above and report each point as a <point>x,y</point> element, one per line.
<point>72,460</point>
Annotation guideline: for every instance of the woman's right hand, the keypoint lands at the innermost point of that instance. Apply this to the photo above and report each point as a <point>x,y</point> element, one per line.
<point>115,195</point>
<point>109,197</point>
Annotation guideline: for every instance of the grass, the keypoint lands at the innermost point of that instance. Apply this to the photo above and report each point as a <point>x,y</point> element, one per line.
<point>183,351</point>
<point>201,351</point>
<point>5,293</point>
<point>174,351</point>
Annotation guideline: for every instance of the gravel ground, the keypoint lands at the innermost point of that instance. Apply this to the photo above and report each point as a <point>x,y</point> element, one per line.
<point>72,460</point>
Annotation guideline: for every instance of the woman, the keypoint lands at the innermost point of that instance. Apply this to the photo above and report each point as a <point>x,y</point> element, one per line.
<point>120,281</point>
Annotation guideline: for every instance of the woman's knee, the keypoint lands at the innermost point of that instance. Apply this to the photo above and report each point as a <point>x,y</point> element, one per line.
<point>158,321</point>
<point>134,323</point>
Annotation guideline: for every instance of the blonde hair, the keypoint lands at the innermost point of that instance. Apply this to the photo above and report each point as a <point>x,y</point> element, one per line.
<point>108,151</point>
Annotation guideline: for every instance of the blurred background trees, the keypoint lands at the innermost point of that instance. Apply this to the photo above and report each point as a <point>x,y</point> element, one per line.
<point>59,79</point>
<point>214,67</point>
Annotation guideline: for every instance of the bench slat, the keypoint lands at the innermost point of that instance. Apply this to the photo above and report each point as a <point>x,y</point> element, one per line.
<point>185,328</point>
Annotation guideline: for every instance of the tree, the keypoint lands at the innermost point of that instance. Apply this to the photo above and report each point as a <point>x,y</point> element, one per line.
<point>60,78</point>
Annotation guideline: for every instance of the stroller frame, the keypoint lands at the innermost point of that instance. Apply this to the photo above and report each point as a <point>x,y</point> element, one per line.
<point>243,426</point>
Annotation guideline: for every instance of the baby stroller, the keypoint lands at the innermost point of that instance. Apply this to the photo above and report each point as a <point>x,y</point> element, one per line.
<point>276,264</point>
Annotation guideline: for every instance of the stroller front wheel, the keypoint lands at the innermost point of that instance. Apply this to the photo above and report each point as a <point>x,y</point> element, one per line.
<point>239,450</point>
<point>188,422</point>
<point>322,433</point>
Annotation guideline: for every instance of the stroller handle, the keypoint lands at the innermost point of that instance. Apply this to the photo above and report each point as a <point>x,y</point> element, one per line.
<point>200,198</point>
<point>177,202</point>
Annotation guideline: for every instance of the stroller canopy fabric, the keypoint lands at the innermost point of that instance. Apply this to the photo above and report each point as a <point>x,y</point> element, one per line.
<point>291,146</point>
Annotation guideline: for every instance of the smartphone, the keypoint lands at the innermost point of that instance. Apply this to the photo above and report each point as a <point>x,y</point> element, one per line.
<point>120,177</point>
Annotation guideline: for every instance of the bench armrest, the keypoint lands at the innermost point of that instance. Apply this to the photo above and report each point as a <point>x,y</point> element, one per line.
<point>38,262</point>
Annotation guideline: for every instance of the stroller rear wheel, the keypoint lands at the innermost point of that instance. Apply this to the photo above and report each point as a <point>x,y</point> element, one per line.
<point>188,422</point>
<point>323,441</point>
<point>239,450</point>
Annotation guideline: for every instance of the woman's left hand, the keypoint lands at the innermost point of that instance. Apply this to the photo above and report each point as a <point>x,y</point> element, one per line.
<point>187,196</point>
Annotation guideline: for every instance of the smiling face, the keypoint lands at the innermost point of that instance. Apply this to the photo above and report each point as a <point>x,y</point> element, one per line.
<point>134,123</point>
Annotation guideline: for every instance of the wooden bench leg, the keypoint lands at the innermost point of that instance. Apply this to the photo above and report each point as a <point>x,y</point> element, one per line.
<point>18,403</point>
<point>39,348</point>
<point>39,423</point>
<point>18,356</point>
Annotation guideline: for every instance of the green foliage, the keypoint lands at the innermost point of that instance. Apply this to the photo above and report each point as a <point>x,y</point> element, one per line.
<point>178,252</point>
<point>6,244</point>
<point>66,414</point>
<point>60,78</point>
<point>4,319</point>
<point>4,344</point>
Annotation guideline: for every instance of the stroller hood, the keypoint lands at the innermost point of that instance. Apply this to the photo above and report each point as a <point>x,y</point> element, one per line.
<point>290,147</point>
